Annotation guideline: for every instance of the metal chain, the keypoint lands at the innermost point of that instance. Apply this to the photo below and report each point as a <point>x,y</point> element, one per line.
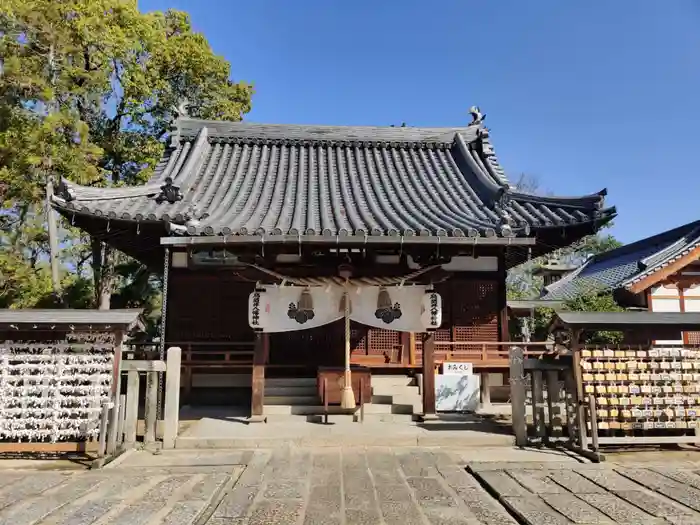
<point>163,312</point>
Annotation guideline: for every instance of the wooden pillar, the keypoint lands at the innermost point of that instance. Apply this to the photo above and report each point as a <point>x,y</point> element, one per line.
<point>405,345</point>
<point>429,376</point>
<point>262,341</point>
<point>116,395</point>
<point>537,390</point>
<point>554,404</point>
<point>485,389</point>
<point>411,348</point>
<point>504,332</point>
<point>578,379</point>
<point>681,306</point>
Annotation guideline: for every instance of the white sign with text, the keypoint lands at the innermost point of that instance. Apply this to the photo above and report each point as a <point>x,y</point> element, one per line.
<point>457,368</point>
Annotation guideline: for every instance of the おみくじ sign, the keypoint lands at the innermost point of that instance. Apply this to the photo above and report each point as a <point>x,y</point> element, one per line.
<point>457,368</point>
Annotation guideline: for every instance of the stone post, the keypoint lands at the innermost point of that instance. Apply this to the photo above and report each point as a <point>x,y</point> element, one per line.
<point>171,418</point>
<point>132,407</point>
<point>151,408</point>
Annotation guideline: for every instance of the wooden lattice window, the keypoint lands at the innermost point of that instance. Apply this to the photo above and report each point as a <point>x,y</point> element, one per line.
<point>207,307</point>
<point>469,312</point>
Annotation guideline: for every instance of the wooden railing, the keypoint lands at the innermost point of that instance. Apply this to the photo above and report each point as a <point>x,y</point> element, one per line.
<point>207,354</point>
<point>484,354</point>
<point>236,355</point>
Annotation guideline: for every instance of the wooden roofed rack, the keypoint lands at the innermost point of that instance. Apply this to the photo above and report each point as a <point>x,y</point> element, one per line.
<point>636,394</point>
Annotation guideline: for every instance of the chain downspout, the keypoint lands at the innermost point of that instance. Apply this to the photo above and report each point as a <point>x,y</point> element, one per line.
<point>163,317</point>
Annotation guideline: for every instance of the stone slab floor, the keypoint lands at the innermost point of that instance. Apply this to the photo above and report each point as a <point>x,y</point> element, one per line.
<point>354,486</point>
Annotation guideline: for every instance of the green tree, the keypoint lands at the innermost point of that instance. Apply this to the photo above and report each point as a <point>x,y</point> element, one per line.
<point>603,302</point>
<point>88,91</point>
<point>521,283</point>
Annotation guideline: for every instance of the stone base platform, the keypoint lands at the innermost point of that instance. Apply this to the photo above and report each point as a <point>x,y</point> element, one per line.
<point>218,433</point>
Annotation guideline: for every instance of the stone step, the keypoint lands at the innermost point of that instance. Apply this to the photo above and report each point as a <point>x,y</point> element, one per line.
<point>290,381</point>
<point>336,419</point>
<point>304,390</point>
<point>291,400</point>
<point>301,410</point>
<point>371,408</point>
<point>382,399</point>
<point>397,380</point>
<point>384,390</point>
<point>390,418</point>
<point>407,399</point>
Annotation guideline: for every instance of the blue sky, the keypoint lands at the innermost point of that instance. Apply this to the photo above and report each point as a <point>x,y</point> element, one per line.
<point>582,95</point>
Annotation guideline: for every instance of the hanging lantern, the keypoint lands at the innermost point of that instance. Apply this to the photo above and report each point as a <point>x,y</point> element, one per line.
<point>304,310</point>
<point>385,311</point>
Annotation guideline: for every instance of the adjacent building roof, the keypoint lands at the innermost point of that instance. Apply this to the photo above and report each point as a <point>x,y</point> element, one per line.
<point>627,265</point>
<point>623,320</point>
<point>234,178</point>
<point>68,319</point>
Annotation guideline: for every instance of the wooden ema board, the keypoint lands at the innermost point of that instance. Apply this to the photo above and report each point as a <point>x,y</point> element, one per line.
<point>643,390</point>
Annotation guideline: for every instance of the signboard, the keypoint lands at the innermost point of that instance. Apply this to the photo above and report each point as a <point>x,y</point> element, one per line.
<point>457,368</point>
<point>457,393</point>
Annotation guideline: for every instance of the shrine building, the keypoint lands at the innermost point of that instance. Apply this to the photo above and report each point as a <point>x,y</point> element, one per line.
<point>660,273</point>
<point>235,207</point>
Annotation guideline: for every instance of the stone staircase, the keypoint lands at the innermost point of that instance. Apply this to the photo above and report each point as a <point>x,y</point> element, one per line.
<point>395,399</point>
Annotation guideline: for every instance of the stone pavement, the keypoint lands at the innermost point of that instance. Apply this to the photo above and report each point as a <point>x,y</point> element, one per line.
<point>560,493</point>
<point>353,486</point>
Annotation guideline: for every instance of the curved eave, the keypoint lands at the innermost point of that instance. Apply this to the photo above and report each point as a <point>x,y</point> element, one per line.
<point>664,268</point>
<point>238,184</point>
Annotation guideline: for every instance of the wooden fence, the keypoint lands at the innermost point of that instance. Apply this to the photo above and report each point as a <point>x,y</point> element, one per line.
<point>547,407</point>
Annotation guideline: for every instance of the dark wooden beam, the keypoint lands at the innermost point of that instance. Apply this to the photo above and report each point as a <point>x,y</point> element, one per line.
<point>429,375</point>
<point>260,356</point>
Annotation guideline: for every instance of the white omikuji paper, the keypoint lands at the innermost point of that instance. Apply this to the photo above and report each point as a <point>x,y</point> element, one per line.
<point>274,302</point>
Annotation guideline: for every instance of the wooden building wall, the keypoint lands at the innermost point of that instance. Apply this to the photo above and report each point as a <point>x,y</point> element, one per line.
<point>680,293</point>
<point>209,306</point>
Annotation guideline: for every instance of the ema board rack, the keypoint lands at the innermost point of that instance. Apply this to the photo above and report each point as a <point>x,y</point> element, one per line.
<point>654,389</point>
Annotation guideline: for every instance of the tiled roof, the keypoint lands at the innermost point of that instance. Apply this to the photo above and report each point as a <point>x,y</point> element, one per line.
<point>622,267</point>
<point>603,320</point>
<point>256,179</point>
<point>124,319</point>
<point>520,305</point>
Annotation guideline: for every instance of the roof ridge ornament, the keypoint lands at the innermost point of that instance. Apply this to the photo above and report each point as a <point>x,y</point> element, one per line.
<point>63,191</point>
<point>477,116</point>
<point>169,192</point>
